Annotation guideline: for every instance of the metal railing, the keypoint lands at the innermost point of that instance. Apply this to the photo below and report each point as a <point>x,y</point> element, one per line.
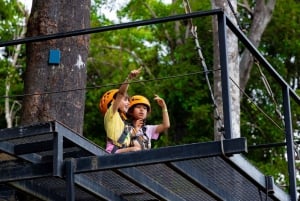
<point>223,23</point>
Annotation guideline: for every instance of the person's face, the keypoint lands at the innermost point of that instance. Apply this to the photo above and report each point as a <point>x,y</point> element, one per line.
<point>139,111</point>
<point>124,104</point>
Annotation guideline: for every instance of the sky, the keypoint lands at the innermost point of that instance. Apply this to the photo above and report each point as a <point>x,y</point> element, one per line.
<point>27,4</point>
<point>108,13</point>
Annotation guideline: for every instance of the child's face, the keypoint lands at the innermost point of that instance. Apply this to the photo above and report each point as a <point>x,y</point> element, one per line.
<point>124,104</point>
<point>139,111</point>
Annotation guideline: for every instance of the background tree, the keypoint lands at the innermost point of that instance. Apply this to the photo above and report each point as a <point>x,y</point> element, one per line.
<point>233,72</point>
<point>260,13</point>
<point>280,46</point>
<point>165,50</point>
<point>173,70</point>
<point>13,26</point>
<point>42,79</point>
<point>168,54</point>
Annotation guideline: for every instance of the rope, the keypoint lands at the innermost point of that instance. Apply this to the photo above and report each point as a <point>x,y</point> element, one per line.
<point>222,146</point>
<point>235,15</point>
<point>251,100</point>
<point>193,30</point>
<point>270,92</point>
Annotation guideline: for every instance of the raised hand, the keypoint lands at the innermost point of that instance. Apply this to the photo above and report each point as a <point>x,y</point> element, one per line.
<point>160,101</point>
<point>135,73</point>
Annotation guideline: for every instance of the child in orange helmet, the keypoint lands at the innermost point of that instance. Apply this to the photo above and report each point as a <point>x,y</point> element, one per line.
<point>114,105</point>
<point>142,134</point>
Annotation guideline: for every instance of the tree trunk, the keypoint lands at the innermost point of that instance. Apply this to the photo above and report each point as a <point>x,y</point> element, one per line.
<point>232,53</point>
<point>262,15</point>
<point>51,88</point>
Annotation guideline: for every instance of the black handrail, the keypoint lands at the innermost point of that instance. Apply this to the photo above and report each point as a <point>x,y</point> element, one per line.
<point>223,23</point>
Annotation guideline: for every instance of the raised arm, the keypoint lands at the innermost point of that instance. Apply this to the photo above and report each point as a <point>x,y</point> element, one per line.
<point>124,87</point>
<point>165,115</point>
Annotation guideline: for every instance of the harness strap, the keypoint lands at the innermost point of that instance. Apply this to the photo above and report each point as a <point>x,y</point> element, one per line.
<point>122,138</point>
<point>143,140</point>
<point>123,135</point>
<point>144,132</point>
<point>114,149</point>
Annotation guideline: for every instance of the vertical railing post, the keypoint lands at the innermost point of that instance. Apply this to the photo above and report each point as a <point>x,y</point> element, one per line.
<point>224,75</point>
<point>69,167</point>
<point>57,154</point>
<point>289,143</point>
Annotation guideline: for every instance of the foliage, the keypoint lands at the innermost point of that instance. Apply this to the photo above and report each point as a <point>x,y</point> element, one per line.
<point>12,17</point>
<point>169,57</point>
<point>279,45</point>
<point>168,70</point>
<point>172,69</point>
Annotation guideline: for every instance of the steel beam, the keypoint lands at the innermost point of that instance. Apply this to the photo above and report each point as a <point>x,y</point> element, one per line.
<point>37,191</point>
<point>289,136</point>
<point>7,148</point>
<point>255,52</point>
<point>201,180</point>
<point>70,195</point>
<point>21,171</point>
<point>226,98</point>
<point>68,153</point>
<point>33,158</point>
<point>148,184</point>
<point>58,155</point>
<point>25,131</point>
<point>95,188</point>
<point>39,146</point>
<point>254,175</point>
<point>111,27</point>
<point>78,140</point>
<point>165,154</point>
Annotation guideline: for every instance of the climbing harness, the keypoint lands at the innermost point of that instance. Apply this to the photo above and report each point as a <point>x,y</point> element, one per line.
<point>141,137</point>
<point>193,30</point>
<point>125,134</point>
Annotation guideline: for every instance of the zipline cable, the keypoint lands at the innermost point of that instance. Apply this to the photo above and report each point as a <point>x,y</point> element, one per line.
<point>142,81</point>
<point>107,85</point>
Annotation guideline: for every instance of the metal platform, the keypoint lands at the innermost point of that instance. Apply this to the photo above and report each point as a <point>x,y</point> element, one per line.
<point>51,162</point>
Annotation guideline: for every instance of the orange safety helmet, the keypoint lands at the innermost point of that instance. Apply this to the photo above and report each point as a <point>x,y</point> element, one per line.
<point>138,99</point>
<point>106,100</point>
